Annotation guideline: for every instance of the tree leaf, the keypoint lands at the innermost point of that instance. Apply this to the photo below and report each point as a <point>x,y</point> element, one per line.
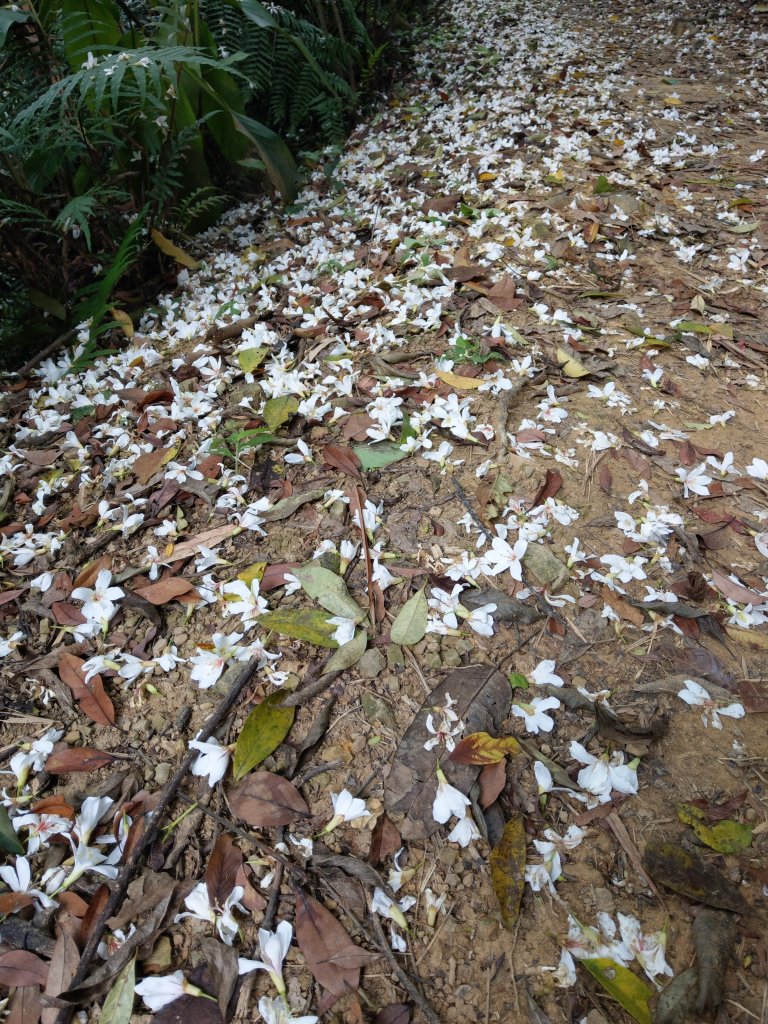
<point>169,249</point>
<point>264,799</point>
<point>166,590</point>
<point>480,748</point>
<point>724,836</point>
<point>348,654</point>
<point>263,731</point>
<point>90,696</point>
<point>456,381</point>
<point>20,968</point>
<point>61,970</point>
<point>208,538</point>
<point>331,955</point>
<point>279,410</point>
<point>287,506</point>
<point>249,358</point>
<point>329,590</point>
<point>410,626</point>
<point>686,872</point>
<point>307,624</point>
<point>145,467</point>
<point>378,456</point>
<point>9,841</point>
<point>343,459</point>
<point>221,870</point>
<point>631,992</point>
<point>395,1013</point>
<point>507,864</point>
<point>483,697</point>
<point>77,759</point>
<point>118,1005</point>
<point>570,366</point>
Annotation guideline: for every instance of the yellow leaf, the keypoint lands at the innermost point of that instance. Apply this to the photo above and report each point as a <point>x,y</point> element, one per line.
<point>253,572</point>
<point>167,247</point>
<point>455,381</point>
<point>481,748</point>
<point>507,862</point>
<point>486,176</point>
<point>626,988</point>
<point>748,637</point>
<point>250,358</point>
<point>122,318</point>
<point>723,836</point>
<point>571,367</point>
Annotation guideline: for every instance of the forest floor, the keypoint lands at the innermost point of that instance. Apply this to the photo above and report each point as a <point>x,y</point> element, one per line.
<point>521,327</point>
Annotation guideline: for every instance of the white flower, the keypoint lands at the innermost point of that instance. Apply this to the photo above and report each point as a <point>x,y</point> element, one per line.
<point>86,858</point>
<point>480,620</point>
<point>274,948</point>
<point>464,831</point>
<point>758,468</point>
<point>723,466</point>
<point>564,975</point>
<point>40,828</point>
<point>504,557</point>
<point>213,759</point>
<point>91,812</point>
<point>250,519</point>
<point>158,992</point>
<point>695,480</point>
<point>19,880</point>
<point>534,716</point>
<point>695,695</point>
<point>648,950</point>
<point>448,801</point>
<point>209,664</point>
<point>277,1011</point>
<point>345,629</point>
<point>248,603</point>
<point>544,674</point>
<point>199,906</point>
<point>34,755</point>
<point>435,904</point>
<point>604,774</point>
<point>99,601</point>
<point>382,904</point>
<point>304,455</point>
<point>345,808</point>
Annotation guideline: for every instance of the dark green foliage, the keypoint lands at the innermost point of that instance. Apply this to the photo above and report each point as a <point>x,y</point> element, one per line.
<point>121,115</point>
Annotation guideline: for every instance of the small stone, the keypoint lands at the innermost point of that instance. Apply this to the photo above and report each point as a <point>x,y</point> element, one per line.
<point>452,880</point>
<point>469,880</point>
<point>73,736</point>
<point>375,710</point>
<point>452,659</point>
<point>432,661</point>
<point>464,646</point>
<point>358,744</point>
<point>604,899</point>
<point>487,928</point>
<point>395,658</point>
<point>544,566</point>
<point>433,644</point>
<point>392,683</point>
<point>448,855</point>
<point>372,664</point>
<point>163,772</point>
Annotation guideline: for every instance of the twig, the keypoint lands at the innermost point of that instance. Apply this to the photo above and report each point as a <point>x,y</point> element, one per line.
<point>306,693</point>
<point>47,351</point>
<point>152,819</point>
<point>356,498</point>
<point>427,1011</point>
<point>461,495</point>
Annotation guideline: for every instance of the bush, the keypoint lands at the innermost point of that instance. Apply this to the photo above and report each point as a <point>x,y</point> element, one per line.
<point>117,116</point>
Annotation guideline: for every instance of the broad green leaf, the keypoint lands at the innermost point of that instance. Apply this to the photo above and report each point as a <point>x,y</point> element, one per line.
<point>507,863</point>
<point>279,410</point>
<point>518,681</point>
<point>307,624</point>
<point>626,988</point>
<point>746,228</point>
<point>88,25</point>
<point>249,358</point>
<point>723,836</point>
<point>410,626</point>
<point>8,18</point>
<point>277,158</point>
<point>378,456</point>
<point>287,506</point>
<point>348,654</point>
<point>329,590</point>
<point>263,731</point>
<point>9,841</point>
<point>602,185</point>
<point>118,1005</point>
<point>79,412</point>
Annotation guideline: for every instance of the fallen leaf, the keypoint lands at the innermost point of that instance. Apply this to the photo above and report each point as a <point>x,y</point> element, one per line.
<point>77,759</point>
<point>343,459</point>
<point>480,748</point>
<point>456,381</point>
<point>307,624</point>
<point>118,1005</point>
<point>570,366</point>
<point>263,731</point>
<point>169,249</point>
<point>287,506</point>
<point>622,608</point>
<point>754,697</point>
<point>249,358</point>
<point>61,971</point>
<point>553,481</point>
<point>385,839</point>
<point>208,538</point>
<point>221,870</point>
<point>221,963</point>
<point>724,836</point>
<point>688,874</point>
<point>90,696</point>
<point>329,590</point>
<point>20,968</point>
<point>264,799</point>
<point>507,866</point>
<point>279,410</point>
<point>13,902</point>
<point>493,780</point>
<point>677,1003</point>
<point>629,991</point>
<point>714,936</point>
<point>483,700</point>
<point>146,465</point>
<point>395,1013</point>
<point>605,479</point>
<point>378,456</point>
<point>410,625</point>
<point>165,590</point>
<point>330,953</point>
<point>348,654</point>
<point>735,591</point>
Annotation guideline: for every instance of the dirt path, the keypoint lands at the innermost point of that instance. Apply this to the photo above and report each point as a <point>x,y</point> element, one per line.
<point>522,324</point>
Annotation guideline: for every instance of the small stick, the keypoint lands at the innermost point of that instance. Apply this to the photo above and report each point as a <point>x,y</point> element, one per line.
<point>427,1011</point>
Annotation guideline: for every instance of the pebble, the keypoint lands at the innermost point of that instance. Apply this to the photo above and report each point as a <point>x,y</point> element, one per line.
<point>392,683</point>
<point>448,855</point>
<point>604,900</point>
<point>469,879</point>
<point>452,880</point>
<point>452,659</point>
<point>162,772</point>
<point>372,664</point>
<point>432,661</point>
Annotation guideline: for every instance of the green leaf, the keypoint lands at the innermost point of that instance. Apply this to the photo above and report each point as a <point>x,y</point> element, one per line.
<point>263,731</point>
<point>518,681</point>
<point>8,18</point>
<point>118,1005</point>
<point>601,186</point>
<point>250,358</point>
<point>348,654</point>
<point>281,167</point>
<point>626,988</point>
<point>81,411</point>
<point>307,624</point>
<point>9,841</point>
<point>410,626</point>
<point>329,590</point>
<point>279,410</point>
<point>88,26</point>
<point>377,456</point>
<point>724,836</point>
